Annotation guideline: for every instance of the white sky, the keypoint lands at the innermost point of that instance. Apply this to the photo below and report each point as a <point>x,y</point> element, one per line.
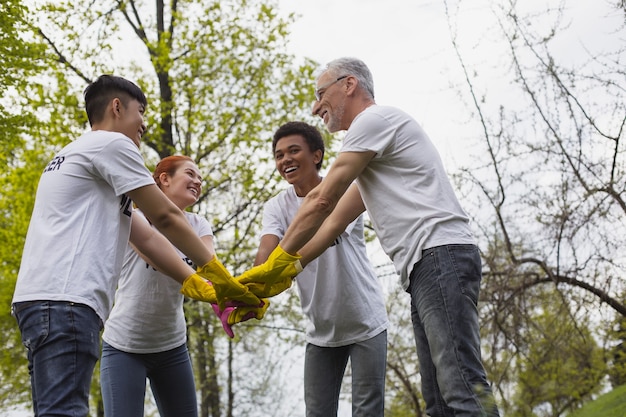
<point>407,46</point>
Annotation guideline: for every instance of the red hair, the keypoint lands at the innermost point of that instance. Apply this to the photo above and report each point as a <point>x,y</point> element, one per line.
<point>169,165</point>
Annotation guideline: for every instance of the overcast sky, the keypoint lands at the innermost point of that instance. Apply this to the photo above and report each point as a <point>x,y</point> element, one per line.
<point>407,46</point>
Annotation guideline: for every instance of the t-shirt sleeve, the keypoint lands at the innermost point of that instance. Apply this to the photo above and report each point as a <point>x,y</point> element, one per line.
<point>120,164</point>
<point>369,131</point>
<point>200,225</point>
<point>273,222</point>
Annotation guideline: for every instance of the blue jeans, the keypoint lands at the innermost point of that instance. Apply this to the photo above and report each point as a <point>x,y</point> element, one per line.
<point>63,342</point>
<point>123,382</point>
<point>444,287</point>
<point>323,372</point>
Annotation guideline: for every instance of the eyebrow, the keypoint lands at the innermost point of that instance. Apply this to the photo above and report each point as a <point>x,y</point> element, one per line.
<point>194,172</point>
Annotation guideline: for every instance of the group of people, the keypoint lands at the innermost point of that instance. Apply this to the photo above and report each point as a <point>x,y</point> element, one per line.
<point>111,247</point>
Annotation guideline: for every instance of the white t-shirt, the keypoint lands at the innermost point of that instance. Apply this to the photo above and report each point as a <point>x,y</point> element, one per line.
<point>405,188</point>
<point>148,315</point>
<point>339,291</point>
<point>80,223</point>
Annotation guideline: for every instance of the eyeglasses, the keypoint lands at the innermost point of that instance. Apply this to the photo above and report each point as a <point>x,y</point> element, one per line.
<point>319,93</point>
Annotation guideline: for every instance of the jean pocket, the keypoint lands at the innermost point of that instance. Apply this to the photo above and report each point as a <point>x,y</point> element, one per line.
<point>34,323</point>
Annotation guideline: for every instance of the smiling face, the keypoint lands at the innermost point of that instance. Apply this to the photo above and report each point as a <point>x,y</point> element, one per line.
<point>296,163</point>
<point>330,101</point>
<point>130,121</point>
<point>184,186</point>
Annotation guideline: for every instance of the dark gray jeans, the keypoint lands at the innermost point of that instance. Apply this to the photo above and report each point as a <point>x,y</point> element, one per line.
<point>444,287</point>
<point>63,343</point>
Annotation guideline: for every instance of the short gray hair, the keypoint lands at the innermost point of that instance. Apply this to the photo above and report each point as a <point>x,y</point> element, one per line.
<point>354,67</point>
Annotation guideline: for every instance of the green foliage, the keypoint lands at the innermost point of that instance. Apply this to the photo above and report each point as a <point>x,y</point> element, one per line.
<point>19,53</point>
<point>404,397</point>
<point>219,82</point>
<point>611,404</point>
<point>617,360</point>
<point>22,165</point>
<point>562,366</point>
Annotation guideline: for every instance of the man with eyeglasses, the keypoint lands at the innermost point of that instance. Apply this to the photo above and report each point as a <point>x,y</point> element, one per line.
<point>401,181</point>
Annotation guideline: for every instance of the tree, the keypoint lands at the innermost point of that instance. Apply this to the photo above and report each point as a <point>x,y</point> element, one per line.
<point>551,169</point>
<point>18,178</point>
<point>219,81</point>
<point>405,397</point>
<point>617,353</point>
<point>560,365</point>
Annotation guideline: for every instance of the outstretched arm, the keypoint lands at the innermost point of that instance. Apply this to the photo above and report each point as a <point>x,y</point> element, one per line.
<point>349,207</point>
<point>171,222</point>
<point>322,200</point>
<point>155,249</point>
<point>267,282</point>
<point>266,246</point>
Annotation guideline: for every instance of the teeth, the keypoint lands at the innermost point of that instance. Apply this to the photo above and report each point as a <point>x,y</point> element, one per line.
<point>290,169</point>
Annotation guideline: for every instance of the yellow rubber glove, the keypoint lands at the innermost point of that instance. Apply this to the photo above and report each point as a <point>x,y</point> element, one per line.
<point>235,312</point>
<point>197,288</point>
<point>276,271</point>
<point>244,313</point>
<point>265,291</point>
<point>226,287</point>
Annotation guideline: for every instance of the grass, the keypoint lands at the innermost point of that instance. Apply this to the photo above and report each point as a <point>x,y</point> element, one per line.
<point>611,404</point>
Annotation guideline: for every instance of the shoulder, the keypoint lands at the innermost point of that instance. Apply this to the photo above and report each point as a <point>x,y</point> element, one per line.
<point>377,112</point>
<point>199,223</point>
<point>285,196</point>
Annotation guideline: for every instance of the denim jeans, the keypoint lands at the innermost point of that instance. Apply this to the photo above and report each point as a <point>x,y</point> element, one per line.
<point>123,381</point>
<point>323,372</point>
<point>63,343</point>
<point>444,287</point>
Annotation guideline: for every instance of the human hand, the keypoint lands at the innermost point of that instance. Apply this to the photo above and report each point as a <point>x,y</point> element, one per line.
<point>275,274</point>
<point>235,312</point>
<point>226,287</point>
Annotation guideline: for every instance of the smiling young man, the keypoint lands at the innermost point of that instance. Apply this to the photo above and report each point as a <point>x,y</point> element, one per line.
<point>339,291</point>
<point>78,233</point>
<point>419,223</point>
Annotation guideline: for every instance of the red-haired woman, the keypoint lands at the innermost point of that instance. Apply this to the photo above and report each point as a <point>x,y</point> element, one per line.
<point>145,335</point>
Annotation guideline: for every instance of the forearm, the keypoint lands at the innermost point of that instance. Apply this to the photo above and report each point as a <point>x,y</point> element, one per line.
<point>177,230</point>
<point>266,246</point>
<point>306,223</point>
<point>349,207</point>
<point>324,237</point>
<point>322,200</point>
<point>160,254</point>
<point>171,222</point>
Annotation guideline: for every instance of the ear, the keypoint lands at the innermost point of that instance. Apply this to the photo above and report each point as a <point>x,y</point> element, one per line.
<point>116,107</point>
<point>317,156</point>
<point>164,179</point>
<point>351,84</point>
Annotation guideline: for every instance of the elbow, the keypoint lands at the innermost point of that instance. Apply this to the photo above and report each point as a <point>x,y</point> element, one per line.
<point>164,220</point>
<point>324,206</point>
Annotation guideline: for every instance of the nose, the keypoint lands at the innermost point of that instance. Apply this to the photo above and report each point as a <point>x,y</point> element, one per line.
<point>315,108</point>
